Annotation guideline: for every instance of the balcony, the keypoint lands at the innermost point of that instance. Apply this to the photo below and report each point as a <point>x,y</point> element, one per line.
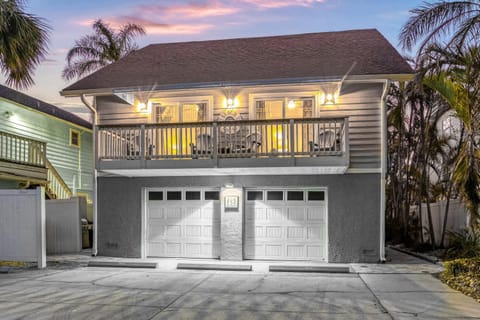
<point>22,159</point>
<point>313,142</point>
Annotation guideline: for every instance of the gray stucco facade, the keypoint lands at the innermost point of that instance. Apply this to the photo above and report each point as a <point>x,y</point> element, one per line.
<point>353,210</point>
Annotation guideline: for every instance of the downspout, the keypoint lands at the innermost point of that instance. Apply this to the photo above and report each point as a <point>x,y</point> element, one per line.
<point>383,165</point>
<point>95,229</point>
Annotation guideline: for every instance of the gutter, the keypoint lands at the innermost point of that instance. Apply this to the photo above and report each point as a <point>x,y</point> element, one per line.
<point>383,166</point>
<point>95,174</point>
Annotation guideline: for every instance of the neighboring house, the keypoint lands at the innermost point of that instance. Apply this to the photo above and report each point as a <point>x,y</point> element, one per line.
<point>41,144</point>
<point>256,148</point>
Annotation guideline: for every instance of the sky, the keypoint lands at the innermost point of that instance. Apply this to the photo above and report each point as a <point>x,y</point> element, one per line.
<point>187,20</point>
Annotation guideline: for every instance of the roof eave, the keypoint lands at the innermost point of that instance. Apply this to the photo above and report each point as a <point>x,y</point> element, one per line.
<point>205,85</point>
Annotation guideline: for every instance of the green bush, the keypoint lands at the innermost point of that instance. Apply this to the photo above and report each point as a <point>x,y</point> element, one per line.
<point>464,244</point>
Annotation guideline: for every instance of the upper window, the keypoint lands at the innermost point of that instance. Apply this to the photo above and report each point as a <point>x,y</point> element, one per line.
<point>284,108</point>
<point>179,112</point>
<point>74,138</point>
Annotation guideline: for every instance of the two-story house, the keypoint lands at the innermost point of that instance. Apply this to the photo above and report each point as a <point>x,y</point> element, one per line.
<point>255,148</point>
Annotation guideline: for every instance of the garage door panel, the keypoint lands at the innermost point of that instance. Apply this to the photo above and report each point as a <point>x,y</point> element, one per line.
<point>289,230</point>
<point>183,228</point>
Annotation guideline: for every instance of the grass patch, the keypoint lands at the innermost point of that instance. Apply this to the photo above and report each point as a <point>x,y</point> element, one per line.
<point>463,275</point>
<point>13,264</point>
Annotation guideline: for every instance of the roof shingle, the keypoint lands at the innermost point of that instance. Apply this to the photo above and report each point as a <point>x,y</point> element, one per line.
<point>320,55</point>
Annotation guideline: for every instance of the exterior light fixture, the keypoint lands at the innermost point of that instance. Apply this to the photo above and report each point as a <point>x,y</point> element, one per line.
<point>8,114</point>
<point>291,104</point>
<point>230,103</point>
<point>144,107</point>
<point>329,98</point>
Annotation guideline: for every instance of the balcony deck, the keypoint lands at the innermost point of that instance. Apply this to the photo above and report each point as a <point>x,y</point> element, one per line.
<point>313,142</point>
<point>22,159</point>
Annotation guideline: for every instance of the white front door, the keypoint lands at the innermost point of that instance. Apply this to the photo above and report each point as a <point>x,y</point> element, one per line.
<point>286,224</point>
<point>183,223</point>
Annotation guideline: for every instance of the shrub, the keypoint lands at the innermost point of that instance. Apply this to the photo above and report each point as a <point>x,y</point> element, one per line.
<point>463,244</point>
<point>463,275</point>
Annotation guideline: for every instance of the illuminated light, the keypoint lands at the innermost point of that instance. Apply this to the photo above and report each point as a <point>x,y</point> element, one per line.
<point>230,103</point>
<point>8,114</point>
<point>329,99</point>
<point>291,104</point>
<point>144,107</point>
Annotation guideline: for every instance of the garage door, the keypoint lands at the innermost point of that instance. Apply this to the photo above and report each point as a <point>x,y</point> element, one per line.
<point>285,224</point>
<point>183,223</point>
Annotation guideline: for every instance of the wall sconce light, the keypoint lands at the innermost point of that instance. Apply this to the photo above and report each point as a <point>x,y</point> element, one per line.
<point>144,107</point>
<point>8,114</point>
<point>231,103</point>
<point>329,98</point>
<point>291,104</point>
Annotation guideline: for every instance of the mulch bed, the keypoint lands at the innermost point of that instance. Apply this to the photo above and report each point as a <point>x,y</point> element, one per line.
<point>463,275</point>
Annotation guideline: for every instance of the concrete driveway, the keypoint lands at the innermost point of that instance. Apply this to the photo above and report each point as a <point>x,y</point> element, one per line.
<point>391,291</point>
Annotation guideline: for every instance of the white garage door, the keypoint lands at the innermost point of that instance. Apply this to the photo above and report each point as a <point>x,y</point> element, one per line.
<point>183,223</point>
<point>285,224</point>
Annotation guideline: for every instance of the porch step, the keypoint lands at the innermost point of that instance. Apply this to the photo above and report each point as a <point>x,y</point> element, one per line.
<point>318,269</point>
<point>215,266</point>
<point>122,264</point>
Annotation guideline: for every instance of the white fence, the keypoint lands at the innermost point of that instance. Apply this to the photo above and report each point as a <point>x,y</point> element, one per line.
<point>457,218</point>
<point>22,226</point>
<point>64,229</point>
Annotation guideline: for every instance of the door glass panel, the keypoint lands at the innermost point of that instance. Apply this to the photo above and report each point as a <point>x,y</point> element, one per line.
<point>316,196</point>
<point>192,195</point>
<point>254,195</point>
<point>275,195</point>
<point>174,195</point>
<point>155,195</point>
<point>212,195</point>
<point>295,195</point>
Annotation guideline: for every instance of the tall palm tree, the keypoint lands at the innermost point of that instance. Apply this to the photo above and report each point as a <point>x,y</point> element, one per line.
<point>23,43</point>
<point>457,21</point>
<point>101,48</point>
<point>455,74</point>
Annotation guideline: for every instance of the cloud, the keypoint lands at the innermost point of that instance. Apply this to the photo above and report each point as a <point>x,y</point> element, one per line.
<point>188,10</point>
<point>272,4</point>
<point>154,27</point>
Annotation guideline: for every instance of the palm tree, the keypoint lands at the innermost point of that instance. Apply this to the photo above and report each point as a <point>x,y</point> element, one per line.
<point>23,43</point>
<point>455,75</point>
<point>101,48</point>
<point>458,19</point>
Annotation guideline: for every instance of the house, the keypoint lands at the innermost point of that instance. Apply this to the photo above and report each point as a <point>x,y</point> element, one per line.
<point>41,144</point>
<point>254,148</point>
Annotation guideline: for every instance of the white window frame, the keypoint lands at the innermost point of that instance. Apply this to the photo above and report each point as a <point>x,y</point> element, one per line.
<point>285,97</point>
<point>180,101</point>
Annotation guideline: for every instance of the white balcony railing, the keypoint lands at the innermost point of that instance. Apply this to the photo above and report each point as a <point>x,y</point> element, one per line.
<point>22,150</point>
<point>313,137</point>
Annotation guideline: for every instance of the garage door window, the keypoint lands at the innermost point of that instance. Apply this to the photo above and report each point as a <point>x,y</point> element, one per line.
<point>155,195</point>
<point>316,196</point>
<point>192,195</point>
<point>212,195</point>
<point>254,195</point>
<point>174,195</point>
<point>275,195</point>
<point>295,195</point>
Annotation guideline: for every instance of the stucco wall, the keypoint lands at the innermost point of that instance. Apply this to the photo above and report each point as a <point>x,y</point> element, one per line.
<point>353,210</point>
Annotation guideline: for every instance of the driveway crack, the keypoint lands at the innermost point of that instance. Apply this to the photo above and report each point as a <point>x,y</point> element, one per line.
<point>377,300</point>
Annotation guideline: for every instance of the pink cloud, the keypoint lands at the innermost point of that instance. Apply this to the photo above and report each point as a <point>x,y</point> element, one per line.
<point>271,4</point>
<point>154,27</point>
<point>189,10</point>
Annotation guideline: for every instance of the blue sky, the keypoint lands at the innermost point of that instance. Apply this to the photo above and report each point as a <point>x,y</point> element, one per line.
<point>183,20</point>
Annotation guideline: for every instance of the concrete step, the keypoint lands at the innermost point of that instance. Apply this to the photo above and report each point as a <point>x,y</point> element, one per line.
<point>319,269</point>
<point>215,266</point>
<point>123,264</point>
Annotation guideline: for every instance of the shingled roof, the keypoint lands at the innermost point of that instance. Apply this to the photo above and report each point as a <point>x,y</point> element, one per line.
<point>33,103</point>
<point>312,55</point>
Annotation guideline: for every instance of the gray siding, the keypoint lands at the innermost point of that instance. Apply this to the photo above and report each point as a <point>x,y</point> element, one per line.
<point>353,225</point>
<point>74,164</point>
<point>361,102</point>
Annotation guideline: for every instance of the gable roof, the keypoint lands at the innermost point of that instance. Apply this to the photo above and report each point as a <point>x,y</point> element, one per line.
<point>312,55</point>
<point>33,103</point>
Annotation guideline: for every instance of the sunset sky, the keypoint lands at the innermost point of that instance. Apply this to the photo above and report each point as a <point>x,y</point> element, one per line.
<point>173,21</point>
